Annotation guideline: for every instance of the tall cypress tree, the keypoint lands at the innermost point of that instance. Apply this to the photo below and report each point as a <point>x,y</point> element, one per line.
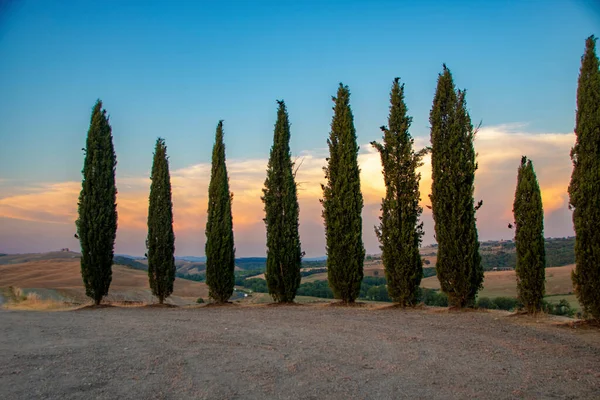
<point>97,222</point>
<point>400,231</point>
<point>284,255</point>
<point>161,239</point>
<point>584,189</point>
<point>529,238</point>
<point>458,264</point>
<point>342,203</point>
<point>220,253</point>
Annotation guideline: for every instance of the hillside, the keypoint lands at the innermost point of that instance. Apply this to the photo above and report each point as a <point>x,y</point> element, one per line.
<point>57,275</point>
<point>504,283</point>
<point>501,254</point>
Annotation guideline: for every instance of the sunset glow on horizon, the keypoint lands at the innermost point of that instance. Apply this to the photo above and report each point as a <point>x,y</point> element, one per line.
<point>499,151</point>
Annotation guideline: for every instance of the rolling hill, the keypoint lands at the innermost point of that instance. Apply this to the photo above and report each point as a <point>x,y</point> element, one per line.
<point>57,275</point>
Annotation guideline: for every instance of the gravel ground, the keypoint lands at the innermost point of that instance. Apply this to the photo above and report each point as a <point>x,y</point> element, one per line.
<point>292,352</point>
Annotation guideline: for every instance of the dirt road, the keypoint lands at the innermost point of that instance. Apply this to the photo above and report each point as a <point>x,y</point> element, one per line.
<point>294,352</point>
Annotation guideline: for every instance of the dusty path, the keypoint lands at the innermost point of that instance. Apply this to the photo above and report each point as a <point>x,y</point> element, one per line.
<point>291,353</point>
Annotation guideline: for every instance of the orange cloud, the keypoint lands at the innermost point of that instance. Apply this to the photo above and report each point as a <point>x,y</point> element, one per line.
<point>499,151</point>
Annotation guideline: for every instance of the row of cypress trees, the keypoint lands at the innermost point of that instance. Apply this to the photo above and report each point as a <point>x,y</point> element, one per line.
<point>400,230</point>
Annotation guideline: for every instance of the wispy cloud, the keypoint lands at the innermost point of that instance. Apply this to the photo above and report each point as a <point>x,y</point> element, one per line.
<point>499,151</point>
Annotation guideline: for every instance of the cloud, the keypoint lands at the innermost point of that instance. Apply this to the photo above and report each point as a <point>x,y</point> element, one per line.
<point>499,152</point>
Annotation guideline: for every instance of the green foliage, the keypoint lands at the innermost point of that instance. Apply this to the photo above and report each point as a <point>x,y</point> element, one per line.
<point>220,253</point>
<point>585,183</point>
<point>284,255</point>
<point>129,262</point>
<point>256,285</point>
<point>433,298</point>
<point>315,289</point>
<point>314,264</point>
<point>342,203</point>
<point>529,238</point>
<point>191,277</point>
<point>200,300</point>
<point>241,276</point>
<point>498,259</point>
<point>400,230</point>
<point>453,175</point>
<point>499,303</point>
<point>252,263</point>
<point>312,271</point>
<point>560,251</point>
<point>486,303</point>
<point>378,293</point>
<point>427,272</point>
<point>507,303</point>
<point>97,222</point>
<point>161,239</point>
<point>562,308</point>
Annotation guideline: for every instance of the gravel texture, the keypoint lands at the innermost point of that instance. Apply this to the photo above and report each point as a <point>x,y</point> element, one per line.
<point>292,352</point>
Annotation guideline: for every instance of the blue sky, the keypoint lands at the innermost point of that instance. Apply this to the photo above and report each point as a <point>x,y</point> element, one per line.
<point>174,68</point>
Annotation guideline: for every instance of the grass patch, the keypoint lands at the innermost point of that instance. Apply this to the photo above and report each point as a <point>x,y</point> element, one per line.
<point>31,301</point>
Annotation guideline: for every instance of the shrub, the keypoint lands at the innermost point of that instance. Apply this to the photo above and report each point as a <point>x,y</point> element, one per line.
<point>562,308</point>
<point>433,298</point>
<point>200,300</point>
<point>486,303</point>
<point>506,303</point>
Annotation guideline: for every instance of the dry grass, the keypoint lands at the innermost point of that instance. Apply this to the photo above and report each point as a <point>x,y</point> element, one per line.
<point>504,283</point>
<point>33,302</point>
<point>64,276</point>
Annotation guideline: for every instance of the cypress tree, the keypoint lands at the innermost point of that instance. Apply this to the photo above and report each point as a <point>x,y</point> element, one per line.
<point>342,203</point>
<point>458,264</point>
<point>97,222</point>
<point>529,238</point>
<point>161,239</point>
<point>584,189</point>
<point>220,253</point>
<point>284,255</point>
<point>400,231</point>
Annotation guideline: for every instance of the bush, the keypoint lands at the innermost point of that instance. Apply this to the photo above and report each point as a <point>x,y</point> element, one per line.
<point>256,285</point>
<point>506,303</point>
<point>486,303</point>
<point>427,272</point>
<point>241,276</point>
<point>378,293</point>
<point>433,298</point>
<point>200,300</point>
<point>315,289</point>
<point>562,308</point>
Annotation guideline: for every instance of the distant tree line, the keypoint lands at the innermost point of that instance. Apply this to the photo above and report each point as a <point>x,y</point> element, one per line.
<point>459,265</point>
<point>559,252</point>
